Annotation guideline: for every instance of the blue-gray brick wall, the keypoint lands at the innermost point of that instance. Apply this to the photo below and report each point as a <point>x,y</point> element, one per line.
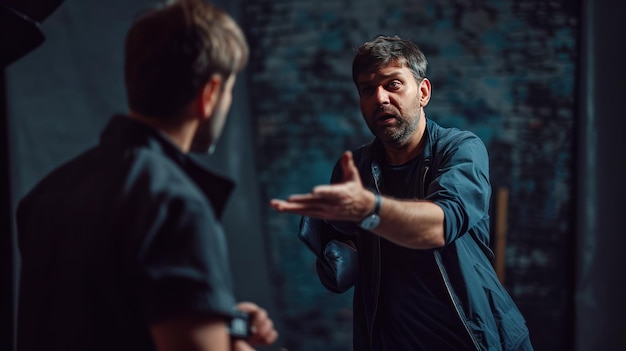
<point>503,69</point>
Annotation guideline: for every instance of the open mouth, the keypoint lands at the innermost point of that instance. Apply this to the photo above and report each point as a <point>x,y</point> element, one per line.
<point>385,118</point>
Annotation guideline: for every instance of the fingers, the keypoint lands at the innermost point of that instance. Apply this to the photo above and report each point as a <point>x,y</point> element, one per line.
<point>293,202</point>
<point>319,199</point>
<point>350,172</point>
<point>248,307</point>
<point>290,207</point>
<point>313,206</point>
<point>338,201</point>
<point>263,332</point>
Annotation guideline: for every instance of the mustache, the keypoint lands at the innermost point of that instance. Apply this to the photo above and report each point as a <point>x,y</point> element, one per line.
<point>385,112</point>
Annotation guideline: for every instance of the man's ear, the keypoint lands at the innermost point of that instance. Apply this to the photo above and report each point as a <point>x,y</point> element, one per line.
<point>424,88</point>
<point>210,95</point>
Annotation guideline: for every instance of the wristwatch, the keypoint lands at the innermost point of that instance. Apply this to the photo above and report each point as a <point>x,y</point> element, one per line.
<point>372,220</point>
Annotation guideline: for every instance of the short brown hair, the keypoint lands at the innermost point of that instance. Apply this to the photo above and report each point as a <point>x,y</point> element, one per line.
<point>172,50</point>
<point>382,50</point>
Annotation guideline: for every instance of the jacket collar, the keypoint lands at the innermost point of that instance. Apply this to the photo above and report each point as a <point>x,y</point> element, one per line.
<point>376,157</point>
<point>122,131</point>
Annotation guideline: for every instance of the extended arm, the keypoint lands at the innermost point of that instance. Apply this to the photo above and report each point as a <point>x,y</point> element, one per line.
<point>415,224</point>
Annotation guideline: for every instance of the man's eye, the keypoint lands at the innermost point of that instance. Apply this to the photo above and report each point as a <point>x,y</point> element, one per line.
<point>394,85</point>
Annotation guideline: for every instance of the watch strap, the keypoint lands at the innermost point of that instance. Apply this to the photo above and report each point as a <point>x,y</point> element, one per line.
<point>377,202</point>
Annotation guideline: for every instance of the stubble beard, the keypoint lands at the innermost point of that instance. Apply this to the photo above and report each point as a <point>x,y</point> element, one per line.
<point>401,132</point>
<point>210,130</point>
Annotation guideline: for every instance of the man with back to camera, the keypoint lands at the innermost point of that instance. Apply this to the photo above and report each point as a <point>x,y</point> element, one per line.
<point>405,220</point>
<point>122,247</point>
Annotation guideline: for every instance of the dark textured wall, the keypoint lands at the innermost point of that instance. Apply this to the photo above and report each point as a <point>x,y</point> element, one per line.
<point>503,69</point>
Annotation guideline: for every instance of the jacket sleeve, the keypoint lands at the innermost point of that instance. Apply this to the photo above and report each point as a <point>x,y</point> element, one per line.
<point>460,184</point>
<point>337,257</point>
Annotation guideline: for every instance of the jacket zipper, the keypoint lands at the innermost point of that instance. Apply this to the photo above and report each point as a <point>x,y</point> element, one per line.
<point>376,173</point>
<point>458,309</point>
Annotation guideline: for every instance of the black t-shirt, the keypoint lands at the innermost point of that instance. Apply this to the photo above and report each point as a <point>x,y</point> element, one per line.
<point>414,309</point>
<point>124,236</point>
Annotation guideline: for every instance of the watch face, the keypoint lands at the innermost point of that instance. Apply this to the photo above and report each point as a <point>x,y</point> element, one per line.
<point>370,222</point>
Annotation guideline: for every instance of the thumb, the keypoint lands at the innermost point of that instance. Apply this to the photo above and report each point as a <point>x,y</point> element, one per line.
<point>350,172</point>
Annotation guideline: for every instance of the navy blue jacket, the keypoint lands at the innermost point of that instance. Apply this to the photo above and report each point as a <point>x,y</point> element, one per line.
<point>454,174</point>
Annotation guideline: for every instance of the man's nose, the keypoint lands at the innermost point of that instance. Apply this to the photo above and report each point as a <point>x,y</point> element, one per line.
<point>382,96</point>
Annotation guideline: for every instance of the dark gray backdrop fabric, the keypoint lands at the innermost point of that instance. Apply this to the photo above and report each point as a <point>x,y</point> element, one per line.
<point>601,283</point>
<point>62,94</point>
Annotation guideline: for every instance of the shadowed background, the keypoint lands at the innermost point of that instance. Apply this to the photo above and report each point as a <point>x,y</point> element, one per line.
<point>536,80</point>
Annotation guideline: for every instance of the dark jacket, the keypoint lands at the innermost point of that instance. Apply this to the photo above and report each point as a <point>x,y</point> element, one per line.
<point>454,174</point>
<point>125,235</point>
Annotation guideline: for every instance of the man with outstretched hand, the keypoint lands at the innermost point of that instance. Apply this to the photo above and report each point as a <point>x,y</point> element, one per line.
<point>405,221</point>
